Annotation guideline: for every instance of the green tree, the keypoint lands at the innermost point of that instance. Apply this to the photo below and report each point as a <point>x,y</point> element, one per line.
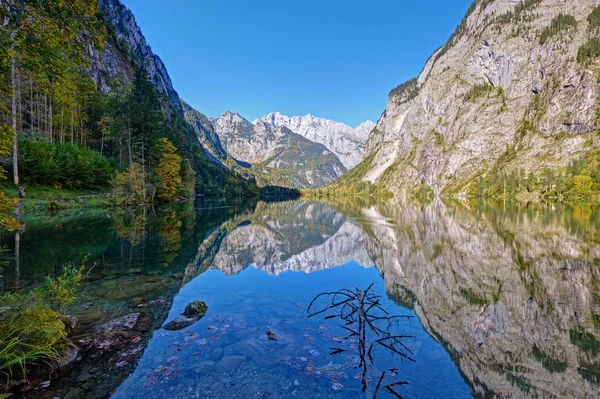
<point>130,186</point>
<point>169,166</point>
<point>145,118</point>
<point>45,38</point>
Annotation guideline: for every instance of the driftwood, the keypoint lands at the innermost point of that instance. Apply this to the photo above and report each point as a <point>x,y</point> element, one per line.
<point>366,321</point>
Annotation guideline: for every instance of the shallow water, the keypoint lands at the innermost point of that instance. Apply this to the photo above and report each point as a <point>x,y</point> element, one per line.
<point>504,298</point>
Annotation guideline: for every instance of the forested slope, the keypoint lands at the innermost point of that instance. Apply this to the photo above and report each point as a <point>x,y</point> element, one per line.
<point>89,104</point>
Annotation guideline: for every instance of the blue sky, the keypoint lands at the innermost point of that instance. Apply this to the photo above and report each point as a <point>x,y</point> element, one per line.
<point>336,59</point>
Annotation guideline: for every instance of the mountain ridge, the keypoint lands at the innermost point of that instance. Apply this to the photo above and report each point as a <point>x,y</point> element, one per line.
<point>345,142</point>
<point>277,155</point>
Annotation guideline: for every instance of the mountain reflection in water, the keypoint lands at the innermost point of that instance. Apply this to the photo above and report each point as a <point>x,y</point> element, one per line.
<point>506,297</point>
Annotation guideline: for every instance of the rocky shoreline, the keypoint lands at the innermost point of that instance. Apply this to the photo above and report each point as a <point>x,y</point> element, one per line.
<point>105,341</point>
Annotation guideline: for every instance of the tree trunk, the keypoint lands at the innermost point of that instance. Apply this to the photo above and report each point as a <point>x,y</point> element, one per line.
<point>51,122</point>
<point>143,173</point>
<point>17,259</point>
<point>19,102</point>
<point>31,112</point>
<point>15,153</point>
<point>45,113</point>
<point>72,125</point>
<point>62,124</point>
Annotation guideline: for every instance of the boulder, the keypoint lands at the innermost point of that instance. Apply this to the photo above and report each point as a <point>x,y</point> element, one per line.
<point>193,312</point>
<point>196,308</point>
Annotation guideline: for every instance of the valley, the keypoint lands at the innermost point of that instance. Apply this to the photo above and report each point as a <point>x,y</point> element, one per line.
<point>218,216</point>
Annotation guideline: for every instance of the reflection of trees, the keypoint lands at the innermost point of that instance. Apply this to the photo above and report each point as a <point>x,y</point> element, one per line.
<point>169,231</point>
<point>131,225</point>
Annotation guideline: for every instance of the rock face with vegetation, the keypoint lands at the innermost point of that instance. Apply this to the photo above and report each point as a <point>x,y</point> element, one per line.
<point>347,143</point>
<point>91,107</point>
<point>126,41</point>
<point>507,105</point>
<point>275,155</point>
<point>205,132</point>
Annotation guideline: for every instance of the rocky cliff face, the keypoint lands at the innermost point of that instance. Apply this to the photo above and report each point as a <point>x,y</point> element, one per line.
<point>346,143</point>
<point>205,132</point>
<point>505,93</point>
<point>275,154</point>
<point>126,41</point>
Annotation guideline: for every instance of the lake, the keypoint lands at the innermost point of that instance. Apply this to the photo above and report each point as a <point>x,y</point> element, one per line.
<point>488,299</point>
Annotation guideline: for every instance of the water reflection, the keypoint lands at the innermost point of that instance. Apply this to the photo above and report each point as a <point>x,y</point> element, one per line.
<point>506,296</point>
<point>510,291</point>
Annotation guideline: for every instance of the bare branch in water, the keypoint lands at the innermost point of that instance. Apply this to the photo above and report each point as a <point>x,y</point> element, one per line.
<point>364,318</point>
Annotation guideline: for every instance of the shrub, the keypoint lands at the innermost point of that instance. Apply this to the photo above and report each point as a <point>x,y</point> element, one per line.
<point>131,188</point>
<point>63,165</point>
<point>31,324</point>
<point>482,90</point>
<point>559,23</point>
<point>407,91</point>
<point>594,19</point>
<point>589,50</point>
<point>582,186</point>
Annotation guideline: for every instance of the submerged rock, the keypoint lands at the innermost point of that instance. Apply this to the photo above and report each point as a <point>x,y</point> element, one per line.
<point>193,312</point>
<point>196,308</point>
<point>272,335</point>
<point>180,323</point>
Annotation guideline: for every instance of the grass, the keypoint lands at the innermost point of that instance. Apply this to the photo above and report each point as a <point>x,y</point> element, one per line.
<point>31,324</point>
<point>41,199</point>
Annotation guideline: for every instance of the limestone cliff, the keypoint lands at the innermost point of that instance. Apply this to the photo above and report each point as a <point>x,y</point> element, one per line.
<point>125,43</point>
<point>206,134</point>
<point>508,91</point>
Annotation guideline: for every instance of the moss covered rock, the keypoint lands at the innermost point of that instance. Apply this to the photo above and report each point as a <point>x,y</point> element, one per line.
<point>196,308</point>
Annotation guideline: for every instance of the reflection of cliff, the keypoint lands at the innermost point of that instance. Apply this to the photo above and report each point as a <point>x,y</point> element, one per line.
<point>512,294</point>
<point>277,238</point>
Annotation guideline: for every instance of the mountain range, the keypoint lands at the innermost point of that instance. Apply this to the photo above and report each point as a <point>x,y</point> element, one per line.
<point>513,94</point>
<point>297,152</point>
<point>346,143</point>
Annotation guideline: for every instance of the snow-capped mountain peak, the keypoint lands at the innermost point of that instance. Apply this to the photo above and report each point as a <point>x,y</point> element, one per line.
<point>345,142</point>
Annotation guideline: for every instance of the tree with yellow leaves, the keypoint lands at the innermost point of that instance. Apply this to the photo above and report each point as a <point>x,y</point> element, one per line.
<point>169,166</point>
<point>8,221</point>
